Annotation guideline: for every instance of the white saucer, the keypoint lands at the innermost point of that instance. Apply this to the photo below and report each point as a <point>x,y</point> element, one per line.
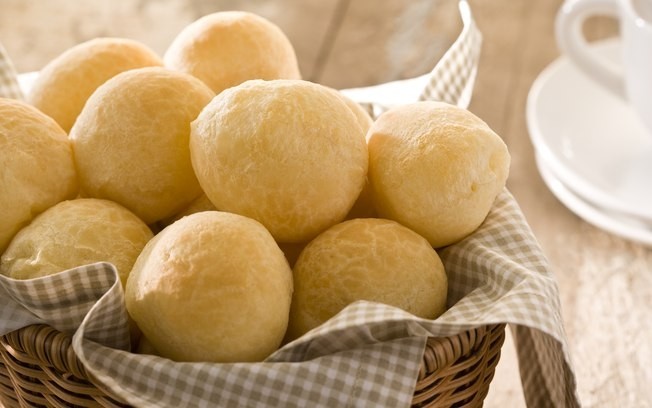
<point>591,139</point>
<point>613,222</point>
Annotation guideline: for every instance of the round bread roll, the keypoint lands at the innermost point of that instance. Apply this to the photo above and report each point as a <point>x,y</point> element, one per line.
<point>288,153</point>
<point>131,141</point>
<point>37,166</point>
<point>63,86</point>
<point>227,48</point>
<point>214,287</point>
<point>366,259</point>
<point>436,169</point>
<point>74,233</point>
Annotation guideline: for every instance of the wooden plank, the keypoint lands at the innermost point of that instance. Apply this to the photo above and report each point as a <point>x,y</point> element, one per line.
<point>519,43</point>
<point>503,24</point>
<point>604,281</point>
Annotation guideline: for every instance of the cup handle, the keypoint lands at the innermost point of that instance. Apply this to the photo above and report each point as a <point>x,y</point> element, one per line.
<point>571,41</point>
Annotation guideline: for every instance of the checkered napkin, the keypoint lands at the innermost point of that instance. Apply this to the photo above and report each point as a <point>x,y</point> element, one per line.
<point>8,80</point>
<point>369,354</point>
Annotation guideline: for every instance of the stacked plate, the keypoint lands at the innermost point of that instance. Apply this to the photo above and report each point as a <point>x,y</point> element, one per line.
<point>591,149</point>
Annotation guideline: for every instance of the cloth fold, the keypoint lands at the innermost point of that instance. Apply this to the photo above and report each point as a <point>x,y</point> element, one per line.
<point>9,87</point>
<point>367,355</point>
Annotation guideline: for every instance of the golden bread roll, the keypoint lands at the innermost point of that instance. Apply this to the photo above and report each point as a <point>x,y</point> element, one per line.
<point>226,48</point>
<point>366,259</point>
<point>214,287</point>
<point>131,141</point>
<point>37,166</point>
<point>74,233</point>
<point>288,153</point>
<point>436,169</point>
<point>63,86</point>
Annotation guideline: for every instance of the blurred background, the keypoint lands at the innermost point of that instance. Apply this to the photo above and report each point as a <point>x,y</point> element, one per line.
<point>605,282</point>
<point>342,43</point>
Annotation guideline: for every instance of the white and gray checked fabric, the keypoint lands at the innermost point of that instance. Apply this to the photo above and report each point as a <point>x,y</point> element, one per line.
<point>9,87</point>
<point>453,77</point>
<point>366,356</point>
<point>63,301</point>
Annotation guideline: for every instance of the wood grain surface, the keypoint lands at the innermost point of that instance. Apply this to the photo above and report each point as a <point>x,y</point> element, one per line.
<point>605,282</point>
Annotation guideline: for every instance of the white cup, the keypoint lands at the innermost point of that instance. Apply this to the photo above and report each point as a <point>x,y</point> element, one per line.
<point>633,79</point>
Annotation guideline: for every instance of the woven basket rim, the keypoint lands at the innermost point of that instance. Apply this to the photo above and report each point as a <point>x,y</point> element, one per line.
<point>38,366</point>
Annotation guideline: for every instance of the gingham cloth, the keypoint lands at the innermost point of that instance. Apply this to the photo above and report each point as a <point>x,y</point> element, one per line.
<point>366,356</point>
<point>9,87</point>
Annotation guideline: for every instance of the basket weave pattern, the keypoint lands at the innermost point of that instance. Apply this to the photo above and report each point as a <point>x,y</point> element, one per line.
<point>38,367</point>
<point>456,371</point>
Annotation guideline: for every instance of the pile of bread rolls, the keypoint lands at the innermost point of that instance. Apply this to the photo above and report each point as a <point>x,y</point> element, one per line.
<point>241,205</point>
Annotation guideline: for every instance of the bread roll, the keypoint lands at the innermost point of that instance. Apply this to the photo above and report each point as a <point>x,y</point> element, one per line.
<point>131,141</point>
<point>213,287</point>
<point>74,233</point>
<point>366,259</point>
<point>226,48</point>
<point>37,166</point>
<point>63,86</point>
<point>436,169</point>
<point>288,153</point>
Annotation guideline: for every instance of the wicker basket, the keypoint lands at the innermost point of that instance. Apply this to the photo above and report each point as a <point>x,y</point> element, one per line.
<point>38,367</point>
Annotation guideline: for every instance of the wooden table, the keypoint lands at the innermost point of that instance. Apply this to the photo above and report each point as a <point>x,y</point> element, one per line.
<point>605,282</point>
